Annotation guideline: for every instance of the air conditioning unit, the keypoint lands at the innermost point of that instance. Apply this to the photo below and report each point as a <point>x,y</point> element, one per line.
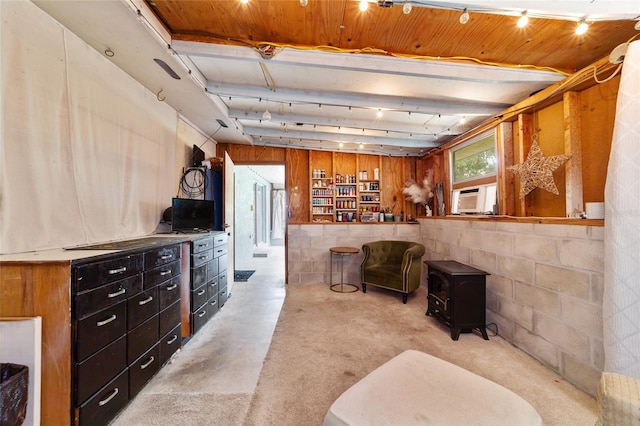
<point>474,200</point>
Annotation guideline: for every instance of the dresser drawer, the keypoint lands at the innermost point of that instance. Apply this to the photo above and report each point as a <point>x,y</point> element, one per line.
<point>212,269</point>
<point>198,297</point>
<point>96,274</point>
<point>104,405</point>
<point>222,263</point>
<point>219,251</point>
<point>107,295</point>
<point>219,239</point>
<point>168,292</point>
<point>202,244</point>
<point>212,288</point>
<point>141,307</point>
<point>169,344</point>
<point>222,280</point>
<point>141,371</point>
<point>199,318</point>
<point>97,370</point>
<point>198,276</point>
<point>161,256</point>
<point>98,330</point>
<point>201,258</point>
<point>213,305</point>
<point>141,338</point>
<point>222,297</point>
<point>169,318</point>
<point>161,274</point>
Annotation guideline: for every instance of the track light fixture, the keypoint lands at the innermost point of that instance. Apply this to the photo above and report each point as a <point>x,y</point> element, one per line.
<point>304,3</point>
<point>582,27</point>
<point>464,18</point>
<point>524,20</point>
<point>363,5</point>
<point>267,115</point>
<point>406,8</point>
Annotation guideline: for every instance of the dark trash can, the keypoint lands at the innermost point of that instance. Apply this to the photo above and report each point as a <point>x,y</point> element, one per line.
<point>14,392</point>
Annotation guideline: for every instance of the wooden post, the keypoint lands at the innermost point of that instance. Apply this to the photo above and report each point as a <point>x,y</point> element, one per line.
<point>506,187</point>
<point>525,133</point>
<point>573,147</point>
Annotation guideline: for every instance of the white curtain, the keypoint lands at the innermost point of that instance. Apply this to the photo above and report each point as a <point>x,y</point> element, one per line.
<point>87,153</point>
<point>621,304</point>
<point>278,214</point>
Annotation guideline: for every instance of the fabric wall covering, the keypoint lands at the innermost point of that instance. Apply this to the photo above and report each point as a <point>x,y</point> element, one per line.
<point>621,303</point>
<point>87,153</point>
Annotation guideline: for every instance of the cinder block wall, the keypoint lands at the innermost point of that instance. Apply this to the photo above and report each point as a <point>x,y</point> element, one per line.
<point>545,288</point>
<point>544,292</point>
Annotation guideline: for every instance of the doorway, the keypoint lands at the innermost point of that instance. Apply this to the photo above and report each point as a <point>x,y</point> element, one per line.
<point>259,219</point>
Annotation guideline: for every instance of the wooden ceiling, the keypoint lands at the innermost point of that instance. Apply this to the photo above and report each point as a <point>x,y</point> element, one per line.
<point>425,32</point>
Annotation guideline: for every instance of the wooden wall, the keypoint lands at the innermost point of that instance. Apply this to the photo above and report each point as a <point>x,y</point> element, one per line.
<point>394,171</point>
<point>579,123</point>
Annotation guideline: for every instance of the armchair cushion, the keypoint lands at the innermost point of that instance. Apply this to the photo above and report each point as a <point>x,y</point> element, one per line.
<point>391,264</point>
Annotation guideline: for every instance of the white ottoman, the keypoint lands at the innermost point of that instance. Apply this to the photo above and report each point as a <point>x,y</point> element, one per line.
<point>415,388</point>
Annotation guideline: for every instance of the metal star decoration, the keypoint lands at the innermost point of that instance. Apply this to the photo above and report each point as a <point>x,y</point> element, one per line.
<point>537,170</point>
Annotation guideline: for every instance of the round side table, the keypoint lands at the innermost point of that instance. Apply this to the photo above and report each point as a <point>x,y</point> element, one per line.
<point>342,252</point>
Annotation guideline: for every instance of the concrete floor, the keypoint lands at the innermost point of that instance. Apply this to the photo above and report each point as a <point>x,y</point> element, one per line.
<point>224,359</point>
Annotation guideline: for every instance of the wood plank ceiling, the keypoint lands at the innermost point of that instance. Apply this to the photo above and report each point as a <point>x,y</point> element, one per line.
<point>431,33</point>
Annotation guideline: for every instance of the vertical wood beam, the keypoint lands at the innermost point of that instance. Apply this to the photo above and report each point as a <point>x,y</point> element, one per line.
<point>506,180</point>
<point>525,133</point>
<point>573,146</point>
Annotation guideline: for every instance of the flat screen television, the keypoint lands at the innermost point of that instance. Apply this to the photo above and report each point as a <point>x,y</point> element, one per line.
<point>189,215</point>
<point>197,156</point>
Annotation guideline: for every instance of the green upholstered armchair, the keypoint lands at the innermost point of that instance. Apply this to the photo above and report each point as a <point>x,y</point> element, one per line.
<point>394,265</point>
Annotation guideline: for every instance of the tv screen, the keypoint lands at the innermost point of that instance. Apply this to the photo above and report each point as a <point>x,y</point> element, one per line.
<point>197,157</point>
<point>190,215</point>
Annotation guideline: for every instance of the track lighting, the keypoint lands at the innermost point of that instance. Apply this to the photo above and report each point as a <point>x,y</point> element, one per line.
<point>582,27</point>
<point>244,1</point>
<point>363,5</point>
<point>637,26</point>
<point>267,115</point>
<point>524,20</point>
<point>303,3</point>
<point>379,114</point>
<point>406,8</point>
<point>361,146</point>
<point>464,18</point>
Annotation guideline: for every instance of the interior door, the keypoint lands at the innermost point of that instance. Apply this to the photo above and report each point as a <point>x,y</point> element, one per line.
<point>228,183</point>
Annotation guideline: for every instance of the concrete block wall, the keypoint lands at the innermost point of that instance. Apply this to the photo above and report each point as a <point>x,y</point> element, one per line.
<point>544,292</point>
<point>545,288</point>
<point>308,248</point>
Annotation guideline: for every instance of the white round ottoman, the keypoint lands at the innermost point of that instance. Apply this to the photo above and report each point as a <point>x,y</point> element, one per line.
<point>415,388</point>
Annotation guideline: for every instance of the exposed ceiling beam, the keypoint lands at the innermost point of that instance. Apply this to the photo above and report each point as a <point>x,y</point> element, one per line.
<point>394,103</point>
<point>393,66</point>
<point>338,137</point>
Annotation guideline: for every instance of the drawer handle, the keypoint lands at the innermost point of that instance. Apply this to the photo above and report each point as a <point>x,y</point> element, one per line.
<point>213,302</point>
<point>173,339</point>
<point>109,398</point>
<point>222,277</point>
<point>173,287</point>
<point>163,273</point>
<point>145,301</point>
<point>201,292</point>
<point>117,293</point>
<point>117,271</point>
<point>166,256</point>
<point>202,257</point>
<point>148,363</point>
<point>202,245</point>
<point>201,314</point>
<point>107,321</point>
<point>220,251</point>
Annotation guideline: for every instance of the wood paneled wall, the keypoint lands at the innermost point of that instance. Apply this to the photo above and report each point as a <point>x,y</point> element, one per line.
<point>580,124</point>
<point>31,290</point>
<point>394,171</point>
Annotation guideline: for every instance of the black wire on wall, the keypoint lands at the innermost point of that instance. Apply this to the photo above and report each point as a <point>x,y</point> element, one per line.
<point>193,183</point>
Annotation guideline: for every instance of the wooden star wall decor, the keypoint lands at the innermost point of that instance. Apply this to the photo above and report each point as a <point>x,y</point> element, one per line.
<point>537,170</point>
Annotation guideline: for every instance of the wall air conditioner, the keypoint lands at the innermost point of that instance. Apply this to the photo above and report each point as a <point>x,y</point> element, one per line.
<point>474,200</point>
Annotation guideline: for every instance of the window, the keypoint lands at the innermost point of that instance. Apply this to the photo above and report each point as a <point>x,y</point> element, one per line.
<point>475,161</point>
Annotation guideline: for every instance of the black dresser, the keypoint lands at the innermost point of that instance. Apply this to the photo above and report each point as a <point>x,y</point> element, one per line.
<point>125,326</point>
<point>457,296</point>
<point>208,278</point>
